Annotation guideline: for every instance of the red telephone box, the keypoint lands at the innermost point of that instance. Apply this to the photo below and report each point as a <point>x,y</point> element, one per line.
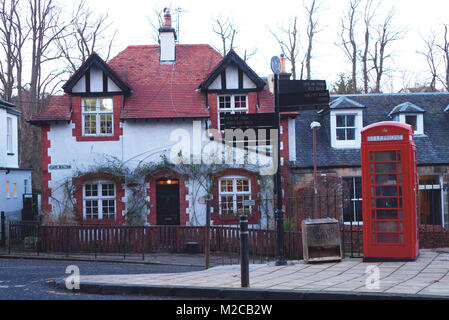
<point>390,192</point>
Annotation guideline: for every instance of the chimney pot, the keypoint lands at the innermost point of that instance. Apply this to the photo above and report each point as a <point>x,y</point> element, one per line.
<point>283,59</point>
<point>167,18</point>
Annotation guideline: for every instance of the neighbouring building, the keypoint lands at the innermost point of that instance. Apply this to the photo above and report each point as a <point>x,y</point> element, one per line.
<point>338,147</point>
<point>145,110</point>
<point>14,181</point>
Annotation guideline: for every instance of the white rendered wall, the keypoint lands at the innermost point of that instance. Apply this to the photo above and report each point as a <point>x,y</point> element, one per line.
<point>13,205</point>
<point>9,161</point>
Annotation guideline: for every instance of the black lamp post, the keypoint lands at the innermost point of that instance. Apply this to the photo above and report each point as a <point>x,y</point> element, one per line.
<point>315,126</point>
<point>279,213</point>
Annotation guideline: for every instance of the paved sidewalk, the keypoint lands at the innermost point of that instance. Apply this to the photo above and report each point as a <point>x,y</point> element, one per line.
<point>179,259</point>
<point>428,276</point>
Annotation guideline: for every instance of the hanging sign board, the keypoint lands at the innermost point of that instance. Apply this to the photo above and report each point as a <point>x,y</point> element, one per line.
<point>303,100</point>
<point>295,86</point>
<point>246,121</point>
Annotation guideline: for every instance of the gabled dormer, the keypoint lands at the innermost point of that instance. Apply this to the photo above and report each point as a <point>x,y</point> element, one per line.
<point>97,78</point>
<point>97,95</point>
<point>411,114</point>
<point>232,87</point>
<point>232,75</point>
<point>346,123</point>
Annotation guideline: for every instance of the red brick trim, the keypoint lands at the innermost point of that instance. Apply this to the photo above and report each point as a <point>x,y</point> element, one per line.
<point>215,216</point>
<point>119,195</point>
<point>184,204</point>
<point>77,120</point>
<point>46,176</point>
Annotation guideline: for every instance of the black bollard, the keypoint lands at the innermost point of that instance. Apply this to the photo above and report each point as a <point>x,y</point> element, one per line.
<point>244,251</point>
<point>280,257</point>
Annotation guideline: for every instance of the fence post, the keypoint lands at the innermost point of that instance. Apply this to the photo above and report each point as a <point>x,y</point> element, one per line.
<point>95,240</point>
<point>143,243</point>
<point>207,236</point>
<point>3,230</point>
<point>38,241</point>
<point>9,238</point>
<point>124,244</point>
<point>244,251</point>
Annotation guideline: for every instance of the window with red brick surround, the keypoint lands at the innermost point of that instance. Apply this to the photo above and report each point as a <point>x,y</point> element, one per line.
<point>99,199</point>
<point>81,131</point>
<point>232,184</point>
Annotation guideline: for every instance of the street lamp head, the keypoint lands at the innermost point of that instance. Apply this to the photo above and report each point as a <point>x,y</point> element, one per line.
<point>315,125</point>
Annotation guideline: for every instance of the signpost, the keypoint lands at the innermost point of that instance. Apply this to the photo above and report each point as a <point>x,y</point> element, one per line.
<point>291,95</point>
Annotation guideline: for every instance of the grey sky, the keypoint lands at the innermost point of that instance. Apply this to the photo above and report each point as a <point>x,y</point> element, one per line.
<point>252,18</point>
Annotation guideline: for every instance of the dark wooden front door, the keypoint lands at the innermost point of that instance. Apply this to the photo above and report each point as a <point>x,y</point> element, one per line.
<point>167,199</point>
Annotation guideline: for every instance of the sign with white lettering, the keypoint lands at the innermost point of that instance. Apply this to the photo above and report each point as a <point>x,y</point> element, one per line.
<point>399,137</point>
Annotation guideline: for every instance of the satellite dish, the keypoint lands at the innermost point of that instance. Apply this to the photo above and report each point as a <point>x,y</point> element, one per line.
<point>276,65</point>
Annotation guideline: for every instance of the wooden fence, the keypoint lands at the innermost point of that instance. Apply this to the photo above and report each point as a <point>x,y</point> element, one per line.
<point>135,240</point>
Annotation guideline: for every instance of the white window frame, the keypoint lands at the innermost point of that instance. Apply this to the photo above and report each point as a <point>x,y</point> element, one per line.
<point>234,193</point>
<point>419,121</point>
<point>436,187</point>
<point>9,135</point>
<point>97,113</point>
<point>99,198</point>
<point>358,122</point>
<point>232,109</point>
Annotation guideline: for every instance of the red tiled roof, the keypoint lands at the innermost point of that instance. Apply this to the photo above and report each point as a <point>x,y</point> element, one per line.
<point>165,90</point>
<point>57,110</point>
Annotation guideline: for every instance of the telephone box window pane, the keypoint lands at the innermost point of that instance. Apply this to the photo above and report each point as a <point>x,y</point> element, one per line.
<point>386,156</point>
<point>386,191</point>
<point>385,167</point>
<point>386,179</point>
<point>387,203</point>
<point>387,238</point>
<point>388,226</point>
<point>387,214</point>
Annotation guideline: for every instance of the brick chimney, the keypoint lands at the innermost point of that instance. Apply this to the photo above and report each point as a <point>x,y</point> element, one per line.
<point>284,75</point>
<point>167,36</point>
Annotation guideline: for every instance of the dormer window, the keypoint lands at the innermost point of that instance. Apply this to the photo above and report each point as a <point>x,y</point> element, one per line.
<point>97,116</point>
<point>411,114</point>
<point>346,119</point>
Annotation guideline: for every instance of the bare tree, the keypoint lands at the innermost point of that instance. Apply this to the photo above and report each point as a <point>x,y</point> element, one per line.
<point>444,50</point>
<point>46,27</point>
<point>288,40</point>
<point>312,29</point>
<point>155,20</point>
<point>386,34</point>
<point>431,58</point>
<point>226,30</point>
<point>368,15</point>
<point>87,34</point>
<point>348,37</point>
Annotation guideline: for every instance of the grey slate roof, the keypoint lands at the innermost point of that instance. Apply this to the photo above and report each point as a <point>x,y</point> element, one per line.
<point>432,147</point>
<point>10,108</point>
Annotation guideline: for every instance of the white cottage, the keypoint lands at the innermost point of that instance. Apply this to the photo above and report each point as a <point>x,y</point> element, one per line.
<point>150,108</point>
